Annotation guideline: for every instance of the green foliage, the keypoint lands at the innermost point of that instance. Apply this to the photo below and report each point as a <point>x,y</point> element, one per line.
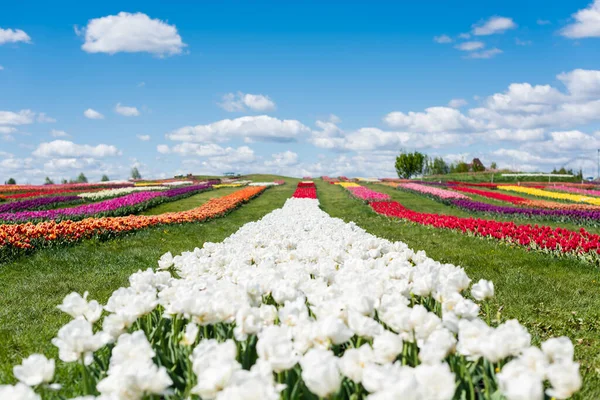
<point>493,165</point>
<point>63,181</point>
<point>81,178</point>
<point>135,174</point>
<point>477,165</point>
<point>48,181</point>
<point>104,178</point>
<point>11,181</point>
<point>439,166</point>
<point>410,164</point>
<point>461,167</point>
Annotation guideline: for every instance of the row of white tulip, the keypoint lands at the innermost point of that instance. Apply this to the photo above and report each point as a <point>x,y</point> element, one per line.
<point>299,305</point>
<point>109,193</point>
<point>263,184</point>
<point>178,183</point>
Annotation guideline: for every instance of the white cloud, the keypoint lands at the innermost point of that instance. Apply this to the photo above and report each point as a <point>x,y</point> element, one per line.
<point>457,103</point>
<point>58,133</point>
<point>520,42</point>
<point>587,23</point>
<point>525,97</point>
<point>493,26</point>
<point>163,149</point>
<point>581,83</point>
<point>284,159</point>
<point>13,36</point>
<point>1,68</point>
<point>42,117</point>
<point>66,149</point>
<point>243,101</point>
<point>23,117</point>
<point>517,135</point>
<point>143,138</point>
<point>485,54</point>
<point>442,39</point>
<point>131,33</point>
<point>126,111</point>
<point>470,46</point>
<point>334,119</point>
<point>543,22</point>
<point>261,127</point>
<point>92,114</point>
<point>213,152</point>
<point>7,129</point>
<point>433,120</point>
<point>464,36</point>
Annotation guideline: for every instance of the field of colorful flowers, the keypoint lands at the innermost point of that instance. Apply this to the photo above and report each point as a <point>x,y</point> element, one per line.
<point>552,195</point>
<point>586,217</point>
<point>578,190</point>
<point>38,203</point>
<point>299,305</point>
<point>554,241</point>
<point>432,191</point>
<point>17,238</point>
<point>109,193</point>
<point>363,193</point>
<point>305,190</point>
<point>130,204</point>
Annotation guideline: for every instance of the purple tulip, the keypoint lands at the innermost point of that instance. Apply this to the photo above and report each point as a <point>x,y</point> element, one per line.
<point>471,205</point>
<point>32,204</point>
<point>105,206</point>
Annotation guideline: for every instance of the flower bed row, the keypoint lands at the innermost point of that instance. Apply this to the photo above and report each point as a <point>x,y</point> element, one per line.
<point>305,190</point>
<point>491,195</point>
<point>556,241</point>
<point>299,305</point>
<point>432,191</point>
<point>552,195</point>
<point>130,204</point>
<point>572,189</point>
<point>109,193</point>
<point>363,193</point>
<point>64,186</point>
<point>14,239</point>
<point>588,217</point>
<point>38,203</point>
<point>40,193</point>
<point>521,201</point>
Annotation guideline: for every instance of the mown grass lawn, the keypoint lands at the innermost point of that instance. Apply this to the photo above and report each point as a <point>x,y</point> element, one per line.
<point>550,296</point>
<point>32,286</point>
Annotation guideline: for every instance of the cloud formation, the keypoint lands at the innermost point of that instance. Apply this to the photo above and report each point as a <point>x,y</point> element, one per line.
<point>131,33</point>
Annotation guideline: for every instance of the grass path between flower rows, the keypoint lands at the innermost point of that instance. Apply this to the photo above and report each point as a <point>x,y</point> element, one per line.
<point>550,296</point>
<point>32,286</point>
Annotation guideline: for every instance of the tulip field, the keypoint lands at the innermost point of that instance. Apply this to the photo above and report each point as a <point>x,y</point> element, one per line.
<point>269,287</point>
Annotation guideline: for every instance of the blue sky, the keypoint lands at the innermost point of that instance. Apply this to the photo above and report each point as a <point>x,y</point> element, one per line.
<point>313,88</point>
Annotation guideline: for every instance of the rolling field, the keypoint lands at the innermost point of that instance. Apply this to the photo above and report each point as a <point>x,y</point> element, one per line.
<point>550,294</point>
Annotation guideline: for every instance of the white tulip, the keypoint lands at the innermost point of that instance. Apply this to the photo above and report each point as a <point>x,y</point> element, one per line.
<point>320,372</point>
<point>18,392</point>
<point>354,361</point>
<point>436,382</point>
<point>483,290</point>
<point>558,350</point>
<point>565,380</point>
<point>386,347</point>
<point>35,370</point>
